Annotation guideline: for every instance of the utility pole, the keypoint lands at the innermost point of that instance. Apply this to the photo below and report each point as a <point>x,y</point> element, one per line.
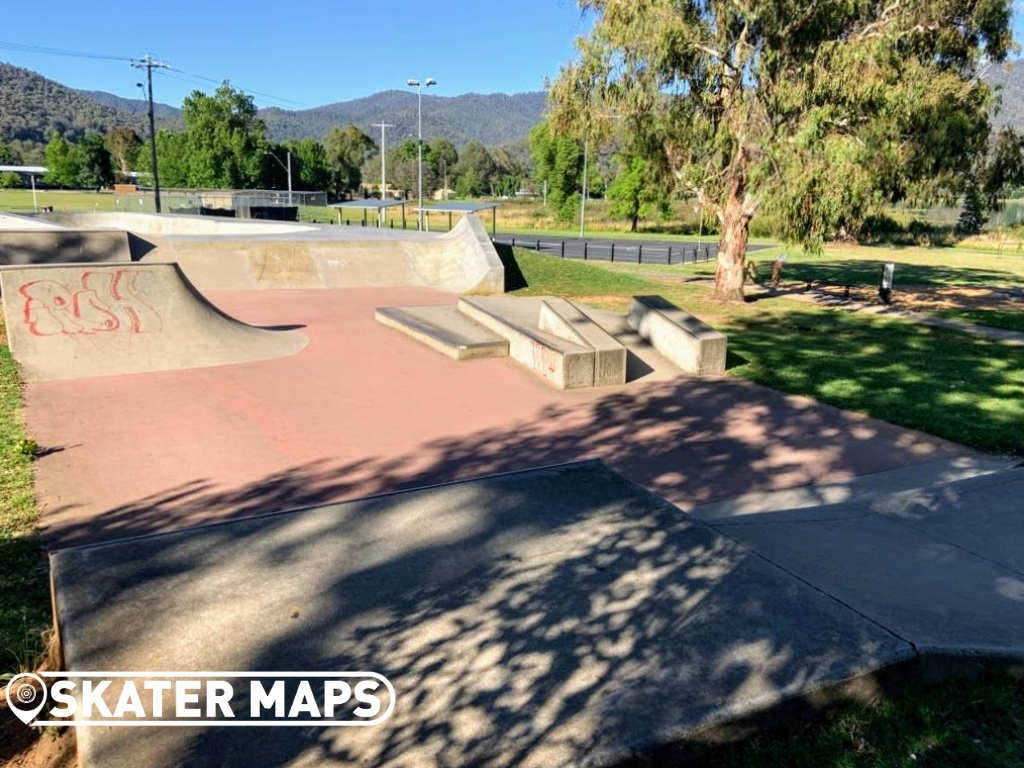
<point>149,64</point>
<point>383,170</point>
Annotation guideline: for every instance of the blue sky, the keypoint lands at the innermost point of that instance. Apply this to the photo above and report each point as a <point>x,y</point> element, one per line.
<point>299,51</point>
<point>304,54</point>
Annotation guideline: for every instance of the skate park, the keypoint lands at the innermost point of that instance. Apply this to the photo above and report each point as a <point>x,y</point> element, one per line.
<point>554,562</point>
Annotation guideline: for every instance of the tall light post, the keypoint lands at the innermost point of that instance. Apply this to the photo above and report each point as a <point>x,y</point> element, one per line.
<point>288,169</point>
<point>419,139</point>
<point>383,171</point>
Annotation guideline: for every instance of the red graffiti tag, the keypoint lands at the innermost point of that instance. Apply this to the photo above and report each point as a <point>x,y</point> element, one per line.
<point>107,301</point>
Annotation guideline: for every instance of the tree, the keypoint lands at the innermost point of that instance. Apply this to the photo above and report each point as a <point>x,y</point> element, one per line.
<point>6,154</point>
<point>124,146</point>
<point>10,180</point>
<point>443,159</point>
<point>95,170</point>
<point>809,110</point>
<point>474,171</point>
<point>558,162</point>
<point>313,172</point>
<point>1004,169</point>
<point>346,150</point>
<point>972,215</point>
<point>223,144</point>
<point>61,163</point>
<point>636,192</point>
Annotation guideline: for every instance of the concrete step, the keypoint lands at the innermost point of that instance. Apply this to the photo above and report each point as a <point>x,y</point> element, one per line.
<point>446,330</point>
<point>565,364</point>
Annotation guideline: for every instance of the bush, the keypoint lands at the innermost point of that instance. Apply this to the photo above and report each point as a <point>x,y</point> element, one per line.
<point>10,180</point>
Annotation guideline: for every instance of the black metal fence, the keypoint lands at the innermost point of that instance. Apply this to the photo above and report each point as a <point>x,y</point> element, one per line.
<point>632,252</point>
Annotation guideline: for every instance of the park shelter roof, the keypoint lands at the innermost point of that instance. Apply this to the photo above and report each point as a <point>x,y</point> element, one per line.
<point>35,169</point>
<point>458,207</point>
<point>372,203</point>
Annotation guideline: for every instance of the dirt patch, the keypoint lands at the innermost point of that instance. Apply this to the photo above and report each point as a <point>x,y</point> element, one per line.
<point>930,298</point>
<point>24,747</point>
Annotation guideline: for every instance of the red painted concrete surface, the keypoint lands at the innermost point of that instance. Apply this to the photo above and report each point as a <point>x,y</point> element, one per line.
<point>364,409</point>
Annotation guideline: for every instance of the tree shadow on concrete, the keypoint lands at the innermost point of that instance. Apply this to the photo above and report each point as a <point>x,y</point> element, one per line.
<point>521,621</point>
<point>691,440</point>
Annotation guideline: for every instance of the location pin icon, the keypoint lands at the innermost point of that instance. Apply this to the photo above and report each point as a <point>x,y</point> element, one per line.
<point>26,696</point>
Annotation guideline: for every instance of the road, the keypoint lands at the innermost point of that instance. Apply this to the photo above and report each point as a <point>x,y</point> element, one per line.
<point>664,252</point>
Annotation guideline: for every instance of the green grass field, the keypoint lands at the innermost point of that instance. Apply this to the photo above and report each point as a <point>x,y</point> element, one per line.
<point>24,575</point>
<point>961,724</point>
<point>946,383</point>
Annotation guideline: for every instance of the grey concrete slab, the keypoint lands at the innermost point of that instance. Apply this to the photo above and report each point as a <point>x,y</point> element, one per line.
<point>942,570</point>
<point>445,329</point>
<point>823,496</point>
<point>552,617</point>
<point>690,343</point>
<point>563,363</point>
<point>564,319</point>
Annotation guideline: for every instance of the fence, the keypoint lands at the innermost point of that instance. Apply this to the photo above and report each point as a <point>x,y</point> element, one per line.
<point>633,251</point>
<point>242,203</point>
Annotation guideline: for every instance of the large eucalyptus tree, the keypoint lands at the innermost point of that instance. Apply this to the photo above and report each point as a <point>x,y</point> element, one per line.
<point>810,111</point>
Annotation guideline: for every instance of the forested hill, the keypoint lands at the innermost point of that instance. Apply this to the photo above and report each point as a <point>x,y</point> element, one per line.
<point>492,119</point>
<point>33,107</point>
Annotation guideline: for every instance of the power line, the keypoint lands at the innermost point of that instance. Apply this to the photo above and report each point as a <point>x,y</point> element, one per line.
<point>21,48</point>
<point>240,88</point>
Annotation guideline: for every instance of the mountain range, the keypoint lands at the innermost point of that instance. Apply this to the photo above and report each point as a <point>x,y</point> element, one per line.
<point>33,107</point>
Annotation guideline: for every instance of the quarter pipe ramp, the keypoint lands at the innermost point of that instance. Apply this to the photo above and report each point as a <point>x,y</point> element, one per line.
<point>77,321</point>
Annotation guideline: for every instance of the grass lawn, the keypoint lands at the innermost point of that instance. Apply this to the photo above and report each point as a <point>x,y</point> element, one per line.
<point>942,382</point>
<point>24,575</point>
<point>970,724</point>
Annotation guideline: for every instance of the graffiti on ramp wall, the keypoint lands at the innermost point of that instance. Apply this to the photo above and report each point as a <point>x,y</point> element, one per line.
<point>106,301</point>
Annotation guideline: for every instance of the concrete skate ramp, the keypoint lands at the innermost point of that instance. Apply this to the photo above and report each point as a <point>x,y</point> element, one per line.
<point>64,246</point>
<point>171,224</point>
<point>460,261</point>
<point>15,221</point>
<point>560,616</point>
<point>72,322</point>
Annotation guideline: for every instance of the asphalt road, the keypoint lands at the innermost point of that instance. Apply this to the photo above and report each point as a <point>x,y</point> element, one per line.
<point>665,252</point>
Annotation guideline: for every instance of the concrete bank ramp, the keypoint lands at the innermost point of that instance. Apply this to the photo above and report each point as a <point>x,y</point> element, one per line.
<point>460,261</point>
<point>171,224</point>
<point>60,245</point>
<point>561,616</point>
<point>16,221</point>
<point>71,322</point>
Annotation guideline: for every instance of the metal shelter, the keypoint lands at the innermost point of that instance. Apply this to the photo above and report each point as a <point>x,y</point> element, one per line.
<point>463,208</point>
<point>32,171</point>
<point>370,204</point>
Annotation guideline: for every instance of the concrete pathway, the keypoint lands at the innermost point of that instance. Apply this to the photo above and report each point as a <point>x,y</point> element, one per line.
<point>1003,336</point>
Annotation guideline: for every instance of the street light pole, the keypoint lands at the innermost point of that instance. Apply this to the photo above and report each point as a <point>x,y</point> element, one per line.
<point>288,168</point>
<point>383,170</point>
<point>419,140</point>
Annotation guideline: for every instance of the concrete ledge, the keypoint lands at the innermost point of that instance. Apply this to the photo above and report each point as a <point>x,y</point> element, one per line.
<point>564,319</point>
<point>444,329</point>
<point>692,345</point>
<point>565,364</point>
